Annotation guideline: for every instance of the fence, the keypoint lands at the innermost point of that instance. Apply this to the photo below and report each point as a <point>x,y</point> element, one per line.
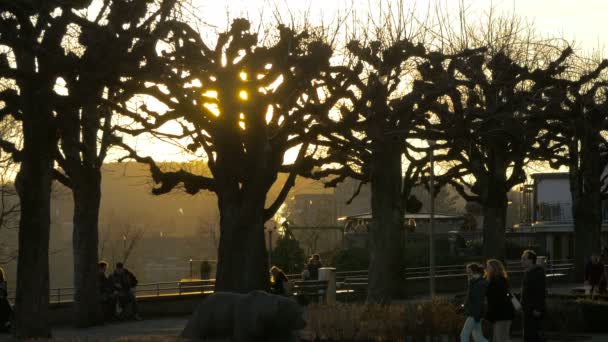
<point>346,281</point>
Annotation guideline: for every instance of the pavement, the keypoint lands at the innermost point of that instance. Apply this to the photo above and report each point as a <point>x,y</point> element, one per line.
<point>171,327</point>
<point>147,327</point>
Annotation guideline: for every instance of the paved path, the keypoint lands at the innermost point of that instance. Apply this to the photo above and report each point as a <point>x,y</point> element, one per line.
<point>172,327</point>
<point>112,331</point>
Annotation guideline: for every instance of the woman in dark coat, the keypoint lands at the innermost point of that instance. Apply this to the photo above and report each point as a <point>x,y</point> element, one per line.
<point>500,311</point>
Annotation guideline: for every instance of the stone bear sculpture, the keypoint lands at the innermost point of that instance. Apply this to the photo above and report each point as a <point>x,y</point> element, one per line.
<point>235,317</point>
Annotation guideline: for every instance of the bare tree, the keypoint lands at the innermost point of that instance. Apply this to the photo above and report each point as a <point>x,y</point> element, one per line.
<point>576,136</point>
<point>258,102</point>
<point>9,200</point>
<point>491,117</point>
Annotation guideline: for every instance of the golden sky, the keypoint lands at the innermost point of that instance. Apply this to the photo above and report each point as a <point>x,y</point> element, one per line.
<point>581,21</point>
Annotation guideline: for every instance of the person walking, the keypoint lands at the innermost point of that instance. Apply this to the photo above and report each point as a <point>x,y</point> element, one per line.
<point>473,306</point>
<point>500,311</point>
<point>533,293</point>
<point>6,311</point>
<point>595,275</point>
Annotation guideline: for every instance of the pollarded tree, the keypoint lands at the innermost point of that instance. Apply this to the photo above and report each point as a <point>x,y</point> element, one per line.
<point>102,50</point>
<point>489,116</point>
<point>367,143</point>
<point>243,105</point>
<point>31,34</point>
<point>575,136</point>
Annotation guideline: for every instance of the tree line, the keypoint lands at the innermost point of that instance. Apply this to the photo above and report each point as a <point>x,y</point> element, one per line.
<point>81,79</point>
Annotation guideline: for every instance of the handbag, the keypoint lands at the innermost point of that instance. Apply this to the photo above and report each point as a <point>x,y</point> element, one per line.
<point>516,304</point>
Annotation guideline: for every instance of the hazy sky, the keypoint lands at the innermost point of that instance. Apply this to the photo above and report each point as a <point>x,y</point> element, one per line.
<point>583,21</point>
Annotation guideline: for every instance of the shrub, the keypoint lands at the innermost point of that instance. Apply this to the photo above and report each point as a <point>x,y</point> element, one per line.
<point>288,255</point>
<point>352,259</point>
<point>351,322</point>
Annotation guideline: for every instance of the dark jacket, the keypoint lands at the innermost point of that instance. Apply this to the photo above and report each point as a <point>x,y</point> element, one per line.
<point>533,290</point>
<point>313,269</point>
<point>473,305</point>
<point>123,282</point>
<point>500,307</point>
<point>106,288</point>
<point>278,286</point>
<point>5,307</point>
<point>594,273</point>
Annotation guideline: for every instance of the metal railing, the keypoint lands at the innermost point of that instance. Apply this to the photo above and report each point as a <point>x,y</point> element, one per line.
<point>354,279</point>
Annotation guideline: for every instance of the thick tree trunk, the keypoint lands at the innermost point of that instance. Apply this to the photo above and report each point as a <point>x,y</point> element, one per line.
<point>585,188</point>
<point>242,258</point>
<point>87,197</point>
<point>494,223</point>
<point>587,226</point>
<point>34,188</point>
<point>386,231</point>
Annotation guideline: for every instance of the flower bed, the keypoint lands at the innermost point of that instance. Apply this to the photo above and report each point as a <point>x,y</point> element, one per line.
<point>397,322</point>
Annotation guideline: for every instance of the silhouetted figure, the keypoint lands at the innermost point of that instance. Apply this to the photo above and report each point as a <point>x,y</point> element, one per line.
<point>314,263</point>
<point>500,310</point>
<point>533,292</point>
<point>473,306</point>
<point>278,281</point>
<point>6,312</point>
<point>595,274</point>
<point>124,287</point>
<point>106,292</point>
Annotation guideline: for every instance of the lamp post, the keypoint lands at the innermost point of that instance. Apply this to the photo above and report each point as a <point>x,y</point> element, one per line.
<point>270,230</point>
<point>432,221</point>
<point>190,268</point>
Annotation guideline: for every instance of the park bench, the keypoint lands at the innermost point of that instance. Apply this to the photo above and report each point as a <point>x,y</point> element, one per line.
<point>306,291</point>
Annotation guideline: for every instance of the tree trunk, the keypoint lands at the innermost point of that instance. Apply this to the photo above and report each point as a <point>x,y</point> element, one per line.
<point>386,231</point>
<point>587,229</point>
<point>242,258</point>
<point>87,197</point>
<point>494,222</point>
<point>585,188</point>
<point>34,188</point>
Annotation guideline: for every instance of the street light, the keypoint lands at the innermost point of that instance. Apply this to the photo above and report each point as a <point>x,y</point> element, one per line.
<point>270,230</point>
<point>432,221</point>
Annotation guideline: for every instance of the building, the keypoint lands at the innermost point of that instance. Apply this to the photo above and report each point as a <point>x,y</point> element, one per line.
<point>416,226</point>
<point>418,223</point>
<point>546,210</point>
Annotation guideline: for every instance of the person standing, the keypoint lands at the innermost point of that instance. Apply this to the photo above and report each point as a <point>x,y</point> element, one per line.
<point>595,275</point>
<point>500,310</point>
<point>533,293</point>
<point>473,306</point>
<point>314,264</point>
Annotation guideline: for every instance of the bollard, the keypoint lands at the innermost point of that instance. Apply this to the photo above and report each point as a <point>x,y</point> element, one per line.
<point>329,274</point>
<point>541,261</point>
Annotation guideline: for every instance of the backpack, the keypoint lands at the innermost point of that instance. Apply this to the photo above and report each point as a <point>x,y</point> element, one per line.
<point>132,279</point>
